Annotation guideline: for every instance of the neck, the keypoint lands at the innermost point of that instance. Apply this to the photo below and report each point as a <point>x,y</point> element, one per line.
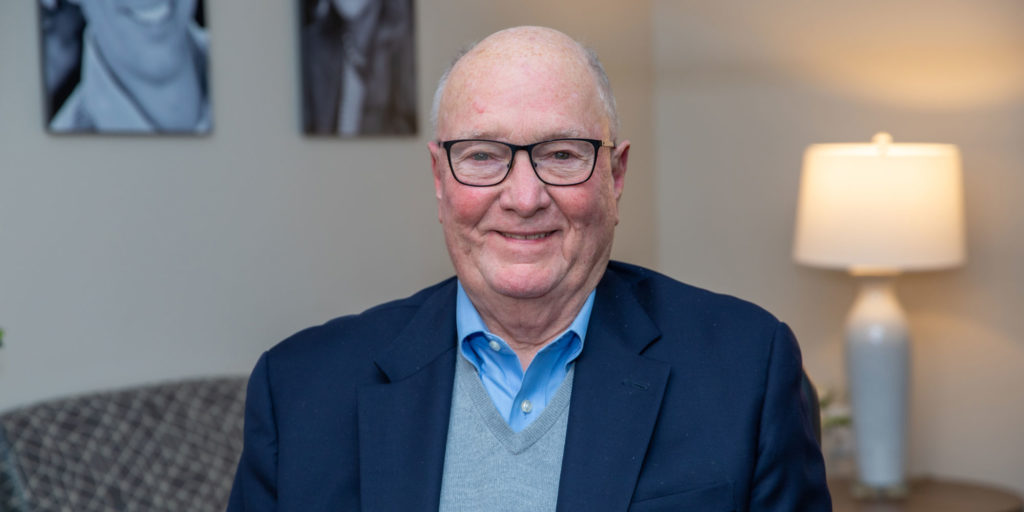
<point>173,104</point>
<point>528,325</point>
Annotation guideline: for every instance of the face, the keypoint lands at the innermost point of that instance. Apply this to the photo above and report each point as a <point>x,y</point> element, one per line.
<point>147,39</point>
<point>521,238</point>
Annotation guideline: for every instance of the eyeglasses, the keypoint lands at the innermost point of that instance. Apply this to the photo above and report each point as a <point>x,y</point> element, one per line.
<point>558,162</point>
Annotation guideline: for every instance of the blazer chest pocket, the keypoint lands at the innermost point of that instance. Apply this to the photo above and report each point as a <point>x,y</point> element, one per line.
<point>712,498</point>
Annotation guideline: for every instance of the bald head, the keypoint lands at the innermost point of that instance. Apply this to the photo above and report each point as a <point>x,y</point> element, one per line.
<point>528,49</point>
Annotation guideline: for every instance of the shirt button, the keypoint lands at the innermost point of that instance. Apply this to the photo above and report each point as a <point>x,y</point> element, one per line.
<point>526,406</point>
<point>495,346</point>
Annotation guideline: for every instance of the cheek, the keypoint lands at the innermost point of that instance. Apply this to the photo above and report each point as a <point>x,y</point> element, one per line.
<point>464,206</point>
<point>589,210</point>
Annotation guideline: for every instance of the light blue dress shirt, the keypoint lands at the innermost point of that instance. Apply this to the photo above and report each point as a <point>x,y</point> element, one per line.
<point>519,397</point>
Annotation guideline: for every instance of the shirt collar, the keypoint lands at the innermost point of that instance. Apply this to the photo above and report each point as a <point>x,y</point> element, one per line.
<point>469,322</point>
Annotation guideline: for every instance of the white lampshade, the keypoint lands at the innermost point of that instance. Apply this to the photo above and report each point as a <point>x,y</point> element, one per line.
<point>880,207</point>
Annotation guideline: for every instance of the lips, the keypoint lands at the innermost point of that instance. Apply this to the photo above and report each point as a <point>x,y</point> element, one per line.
<point>150,13</point>
<point>526,236</point>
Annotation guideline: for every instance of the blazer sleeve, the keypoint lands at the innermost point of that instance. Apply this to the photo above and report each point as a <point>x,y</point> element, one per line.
<point>790,471</point>
<point>255,486</point>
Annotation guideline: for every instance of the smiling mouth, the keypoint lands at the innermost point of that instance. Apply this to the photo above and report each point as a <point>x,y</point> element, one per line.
<point>535,236</point>
<point>151,15</point>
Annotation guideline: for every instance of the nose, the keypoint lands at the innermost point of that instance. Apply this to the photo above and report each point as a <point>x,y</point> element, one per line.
<point>522,191</point>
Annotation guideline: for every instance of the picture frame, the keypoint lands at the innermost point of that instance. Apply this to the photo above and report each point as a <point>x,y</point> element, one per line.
<point>114,68</point>
<point>358,67</point>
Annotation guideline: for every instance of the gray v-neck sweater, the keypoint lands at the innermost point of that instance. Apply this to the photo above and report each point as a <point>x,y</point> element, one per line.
<point>487,466</point>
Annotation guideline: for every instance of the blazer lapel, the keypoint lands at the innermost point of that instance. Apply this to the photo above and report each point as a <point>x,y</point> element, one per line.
<point>403,423</point>
<point>615,402</point>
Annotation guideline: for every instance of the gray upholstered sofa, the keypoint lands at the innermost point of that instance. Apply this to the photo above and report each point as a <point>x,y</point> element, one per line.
<point>165,447</point>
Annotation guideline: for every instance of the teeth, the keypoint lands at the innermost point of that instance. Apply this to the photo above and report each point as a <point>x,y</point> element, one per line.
<point>525,237</point>
<point>154,14</point>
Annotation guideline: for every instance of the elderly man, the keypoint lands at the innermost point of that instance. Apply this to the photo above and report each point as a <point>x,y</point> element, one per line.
<point>542,377</point>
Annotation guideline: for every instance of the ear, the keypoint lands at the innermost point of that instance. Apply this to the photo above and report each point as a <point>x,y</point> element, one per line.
<point>438,165</point>
<point>620,162</point>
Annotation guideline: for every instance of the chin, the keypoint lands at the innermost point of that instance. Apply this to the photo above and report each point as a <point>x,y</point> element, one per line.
<point>525,281</point>
<point>523,292</point>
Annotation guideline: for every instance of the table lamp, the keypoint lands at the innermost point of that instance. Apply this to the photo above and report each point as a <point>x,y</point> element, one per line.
<point>876,210</point>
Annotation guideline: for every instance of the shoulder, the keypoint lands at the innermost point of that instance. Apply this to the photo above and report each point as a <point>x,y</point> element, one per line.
<point>667,299</point>
<point>352,340</point>
<point>695,325</point>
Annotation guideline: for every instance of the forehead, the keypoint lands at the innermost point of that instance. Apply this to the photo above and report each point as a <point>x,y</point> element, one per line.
<point>522,86</point>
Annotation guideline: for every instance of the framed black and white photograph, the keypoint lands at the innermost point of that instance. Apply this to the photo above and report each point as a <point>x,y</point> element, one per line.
<point>123,67</point>
<point>358,67</point>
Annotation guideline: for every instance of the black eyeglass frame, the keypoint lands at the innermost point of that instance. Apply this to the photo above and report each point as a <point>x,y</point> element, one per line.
<point>598,144</point>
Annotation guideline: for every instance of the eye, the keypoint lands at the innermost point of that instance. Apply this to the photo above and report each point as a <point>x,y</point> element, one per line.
<point>478,153</point>
<point>559,152</point>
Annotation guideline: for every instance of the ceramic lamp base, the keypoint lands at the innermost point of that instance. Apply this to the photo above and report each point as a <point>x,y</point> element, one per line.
<point>877,367</point>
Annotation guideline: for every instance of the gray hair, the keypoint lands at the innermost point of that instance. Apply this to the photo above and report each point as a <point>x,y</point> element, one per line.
<point>604,87</point>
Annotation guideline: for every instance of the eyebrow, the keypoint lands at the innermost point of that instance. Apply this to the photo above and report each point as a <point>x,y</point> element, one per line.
<point>490,135</point>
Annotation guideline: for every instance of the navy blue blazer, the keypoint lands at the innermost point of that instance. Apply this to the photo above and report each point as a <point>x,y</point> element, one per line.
<point>682,400</point>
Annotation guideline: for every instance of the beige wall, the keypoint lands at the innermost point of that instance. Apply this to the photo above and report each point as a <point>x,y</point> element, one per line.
<point>741,88</point>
